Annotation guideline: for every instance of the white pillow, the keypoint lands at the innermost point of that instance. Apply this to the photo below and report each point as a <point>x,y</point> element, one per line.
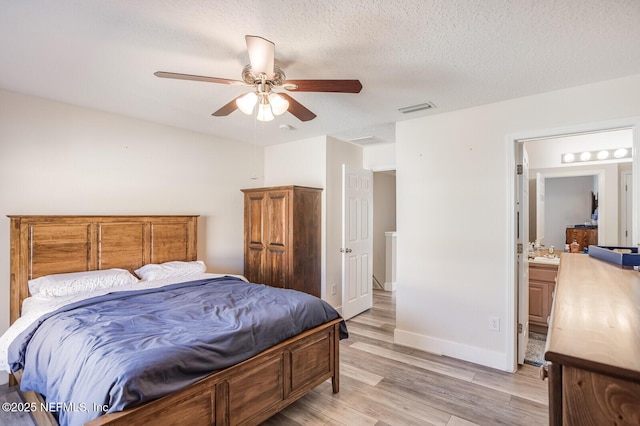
<point>59,285</point>
<point>152,271</point>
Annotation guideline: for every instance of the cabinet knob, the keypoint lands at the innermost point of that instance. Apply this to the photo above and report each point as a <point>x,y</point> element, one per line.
<point>544,372</point>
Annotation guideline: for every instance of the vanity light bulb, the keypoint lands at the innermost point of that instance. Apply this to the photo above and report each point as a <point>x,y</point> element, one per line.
<point>620,152</point>
<point>568,158</point>
<point>603,155</point>
<point>585,156</point>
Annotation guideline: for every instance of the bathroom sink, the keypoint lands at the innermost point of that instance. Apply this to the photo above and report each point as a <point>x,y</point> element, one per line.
<point>555,260</point>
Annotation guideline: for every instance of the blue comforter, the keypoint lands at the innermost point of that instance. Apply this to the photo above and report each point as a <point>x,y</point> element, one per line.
<point>119,350</point>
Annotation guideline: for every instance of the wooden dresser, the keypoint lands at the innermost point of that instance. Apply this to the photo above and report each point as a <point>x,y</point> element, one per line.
<point>593,345</point>
<point>584,236</point>
<point>282,237</point>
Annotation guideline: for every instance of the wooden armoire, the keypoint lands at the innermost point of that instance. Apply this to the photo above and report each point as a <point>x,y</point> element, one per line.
<point>282,237</point>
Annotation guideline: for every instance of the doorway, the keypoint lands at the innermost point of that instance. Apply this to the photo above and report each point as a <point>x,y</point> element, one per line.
<point>632,125</point>
<point>384,221</point>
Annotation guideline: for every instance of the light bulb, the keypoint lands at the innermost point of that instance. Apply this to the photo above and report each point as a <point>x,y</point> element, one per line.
<point>603,155</point>
<point>279,104</point>
<point>264,112</point>
<point>620,152</point>
<point>568,158</point>
<point>247,102</point>
<point>585,156</point>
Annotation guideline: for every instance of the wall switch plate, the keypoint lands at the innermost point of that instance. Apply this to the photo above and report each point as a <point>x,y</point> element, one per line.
<point>494,323</point>
<point>333,289</point>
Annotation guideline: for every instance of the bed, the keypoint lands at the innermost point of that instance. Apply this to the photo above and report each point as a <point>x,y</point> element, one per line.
<point>245,393</point>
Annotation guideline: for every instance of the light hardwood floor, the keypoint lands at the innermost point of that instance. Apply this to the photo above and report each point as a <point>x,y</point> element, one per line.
<point>386,384</point>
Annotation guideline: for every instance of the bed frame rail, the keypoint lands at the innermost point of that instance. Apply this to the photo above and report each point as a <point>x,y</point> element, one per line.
<point>250,392</point>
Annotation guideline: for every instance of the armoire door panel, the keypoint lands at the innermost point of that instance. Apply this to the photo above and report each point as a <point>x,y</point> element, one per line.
<point>277,266</point>
<point>278,223</point>
<point>255,219</point>
<point>254,265</point>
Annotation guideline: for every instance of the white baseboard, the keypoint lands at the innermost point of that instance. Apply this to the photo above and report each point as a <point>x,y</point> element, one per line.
<point>482,356</point>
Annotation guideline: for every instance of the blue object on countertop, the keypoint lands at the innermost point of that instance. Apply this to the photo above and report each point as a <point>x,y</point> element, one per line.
<point>607,253</point>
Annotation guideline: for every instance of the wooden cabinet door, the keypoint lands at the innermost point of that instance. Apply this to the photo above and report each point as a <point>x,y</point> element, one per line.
<point>537,301</point>
<point>541,285</point>
<point>277,238</point>
<point>255,246</point>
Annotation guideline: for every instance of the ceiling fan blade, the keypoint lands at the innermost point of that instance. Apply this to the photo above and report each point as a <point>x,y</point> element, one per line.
<point>228,108</point>
<point>340,86</point>
<point>297,109</point>
<point>177,76</point>
<point>261,55</point>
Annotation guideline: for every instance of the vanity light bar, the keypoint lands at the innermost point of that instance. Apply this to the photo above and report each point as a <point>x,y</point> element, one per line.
<point>603,154</point>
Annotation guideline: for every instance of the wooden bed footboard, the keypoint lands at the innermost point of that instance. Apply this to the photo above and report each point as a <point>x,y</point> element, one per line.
<point>250,392</point>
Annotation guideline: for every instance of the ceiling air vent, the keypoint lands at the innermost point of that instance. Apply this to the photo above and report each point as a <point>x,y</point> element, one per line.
<point>366,140</point>
<point>415,108</point>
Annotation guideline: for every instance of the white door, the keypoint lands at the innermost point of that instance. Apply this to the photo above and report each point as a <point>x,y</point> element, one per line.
<point>522,259</point>
<point>357,240</point>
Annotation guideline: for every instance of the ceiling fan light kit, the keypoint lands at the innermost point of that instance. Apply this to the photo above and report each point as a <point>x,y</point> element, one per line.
<point>264,75</point>
<point>247,102</point>
<point>279,105</point>
<point>269,103</point>
<point>264,110</point>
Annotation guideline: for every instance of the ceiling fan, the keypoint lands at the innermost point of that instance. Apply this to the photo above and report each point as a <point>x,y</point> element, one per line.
<point>264,76</point>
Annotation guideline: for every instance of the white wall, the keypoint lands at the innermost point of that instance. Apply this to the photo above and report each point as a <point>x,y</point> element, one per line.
<point>296,163</point>
<point>455,215</point>
<point>379,157</point>
<point>61,159</point>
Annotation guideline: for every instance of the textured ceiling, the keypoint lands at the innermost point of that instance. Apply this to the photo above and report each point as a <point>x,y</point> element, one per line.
<point>102,54</point>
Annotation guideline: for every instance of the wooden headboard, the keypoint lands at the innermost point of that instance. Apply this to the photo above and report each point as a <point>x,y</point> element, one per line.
<point>44,245</point>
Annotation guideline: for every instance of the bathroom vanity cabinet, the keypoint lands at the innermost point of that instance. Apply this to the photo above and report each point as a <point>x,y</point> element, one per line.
<point>542,283</point>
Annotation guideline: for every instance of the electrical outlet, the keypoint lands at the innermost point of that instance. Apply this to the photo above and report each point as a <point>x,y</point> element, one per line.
<point>494,323</point>
<point>333,289</point>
